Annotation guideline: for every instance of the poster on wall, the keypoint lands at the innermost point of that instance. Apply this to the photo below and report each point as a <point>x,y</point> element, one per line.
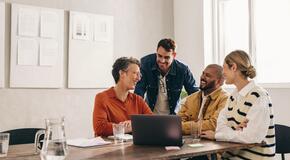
<point>36,47</point>
<point>90,50</point>
<point>81,27</point>
<point>2,43</point>
<point>49,23</point>
<point>27,52</point>
<point>28,21</point>
<point>48,52</point>
<point>101,29</point>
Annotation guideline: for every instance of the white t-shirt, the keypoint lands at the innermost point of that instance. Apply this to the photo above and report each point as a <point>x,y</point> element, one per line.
<point>204,98</point>
<point>161,106</point>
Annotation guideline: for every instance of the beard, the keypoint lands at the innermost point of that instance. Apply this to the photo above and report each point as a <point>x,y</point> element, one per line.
<point>208,86</point>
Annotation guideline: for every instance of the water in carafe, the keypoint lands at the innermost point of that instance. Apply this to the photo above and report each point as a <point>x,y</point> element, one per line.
<point>55,146</point>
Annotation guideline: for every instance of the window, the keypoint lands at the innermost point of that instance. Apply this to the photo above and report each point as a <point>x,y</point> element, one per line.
<point>233,26</point>
<point>261,28</point>
<point>272,31</point>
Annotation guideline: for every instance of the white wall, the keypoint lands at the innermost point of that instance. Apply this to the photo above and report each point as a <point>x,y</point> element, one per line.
<point>188,31</point>
<point>138,26</point>
<point>2,24</point>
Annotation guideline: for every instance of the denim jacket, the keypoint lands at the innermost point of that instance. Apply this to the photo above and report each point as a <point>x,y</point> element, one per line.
<point>178,76</point>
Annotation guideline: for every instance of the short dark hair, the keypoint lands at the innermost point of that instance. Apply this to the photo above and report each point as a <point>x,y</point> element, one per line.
<point>218,68</point>
<point>167,44</point>
<point>122,63</point>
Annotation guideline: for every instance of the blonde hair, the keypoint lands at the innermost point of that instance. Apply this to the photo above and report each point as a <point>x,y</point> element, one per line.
<point>243,62</point>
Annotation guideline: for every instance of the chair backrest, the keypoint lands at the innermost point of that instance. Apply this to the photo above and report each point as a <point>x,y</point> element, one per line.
<point>282,138</point>
<point>22,135</point>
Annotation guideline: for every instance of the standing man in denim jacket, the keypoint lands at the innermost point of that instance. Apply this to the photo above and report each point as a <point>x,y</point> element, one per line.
<point>163,78</point>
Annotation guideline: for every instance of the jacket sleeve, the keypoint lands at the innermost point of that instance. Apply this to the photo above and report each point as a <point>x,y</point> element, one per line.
<point>185,116</point>
<point>207,124</point>
<point>211,123</point>
<point>183,113</point>
<point>189,82</point>
<point>100,121</point>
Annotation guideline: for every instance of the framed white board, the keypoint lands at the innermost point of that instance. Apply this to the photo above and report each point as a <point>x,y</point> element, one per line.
<point>90,50</point>
<point>37,35</point>
<point>2,43</point>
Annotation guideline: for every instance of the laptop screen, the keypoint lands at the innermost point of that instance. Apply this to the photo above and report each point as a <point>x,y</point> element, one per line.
<point>162,130</point>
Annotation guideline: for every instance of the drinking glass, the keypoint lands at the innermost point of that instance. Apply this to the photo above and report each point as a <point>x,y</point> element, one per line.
<point>118,132</point>
<point>4,144</point>
<point>196,127</point>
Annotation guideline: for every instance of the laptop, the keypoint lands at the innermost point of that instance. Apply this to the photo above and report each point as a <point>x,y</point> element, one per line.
<point>159,130</point>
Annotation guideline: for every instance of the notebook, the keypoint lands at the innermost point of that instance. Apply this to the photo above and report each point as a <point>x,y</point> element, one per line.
<point>161,130</point>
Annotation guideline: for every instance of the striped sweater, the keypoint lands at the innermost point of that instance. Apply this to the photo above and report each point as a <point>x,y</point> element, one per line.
<point>237,112</point>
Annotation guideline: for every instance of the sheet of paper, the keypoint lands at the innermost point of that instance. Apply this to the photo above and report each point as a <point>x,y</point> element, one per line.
<point>49,23</point>
<point>195,145</point>
<point>28,22</point>
<point>102,32</point>
<point>126,137</point>
<point>170,148</point>
<point>48,52</point>
<point>87,142</point>
<point>27,51</point>
<point>81,27</point>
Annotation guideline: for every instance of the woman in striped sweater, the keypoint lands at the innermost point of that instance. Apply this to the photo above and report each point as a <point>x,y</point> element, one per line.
<point>248,114</point>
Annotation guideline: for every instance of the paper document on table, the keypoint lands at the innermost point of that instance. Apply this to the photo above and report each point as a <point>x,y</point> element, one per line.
<point>170,148</point>
<point>125,137</point>
<point>87,142</point>
<point>195,145</point>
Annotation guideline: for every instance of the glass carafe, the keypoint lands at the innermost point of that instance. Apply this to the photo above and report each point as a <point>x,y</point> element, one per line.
<point>54,143</point>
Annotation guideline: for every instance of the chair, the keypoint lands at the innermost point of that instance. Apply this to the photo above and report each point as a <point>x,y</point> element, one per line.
<point>282,139</point>
<point>22,135</point>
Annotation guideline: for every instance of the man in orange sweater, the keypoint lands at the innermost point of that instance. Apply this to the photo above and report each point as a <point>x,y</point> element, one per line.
<point>116,104</point>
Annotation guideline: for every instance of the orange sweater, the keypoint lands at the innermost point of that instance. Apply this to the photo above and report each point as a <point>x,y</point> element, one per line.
<point>109,109</point>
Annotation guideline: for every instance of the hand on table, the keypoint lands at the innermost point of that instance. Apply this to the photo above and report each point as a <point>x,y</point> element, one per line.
<point>208,134</point>
<point>127,125</point>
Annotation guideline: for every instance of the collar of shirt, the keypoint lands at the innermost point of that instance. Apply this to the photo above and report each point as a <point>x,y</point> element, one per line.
<point>112,94</point>
<point>213,95</point>
<point>203,96</point>
<point>245,90</point>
